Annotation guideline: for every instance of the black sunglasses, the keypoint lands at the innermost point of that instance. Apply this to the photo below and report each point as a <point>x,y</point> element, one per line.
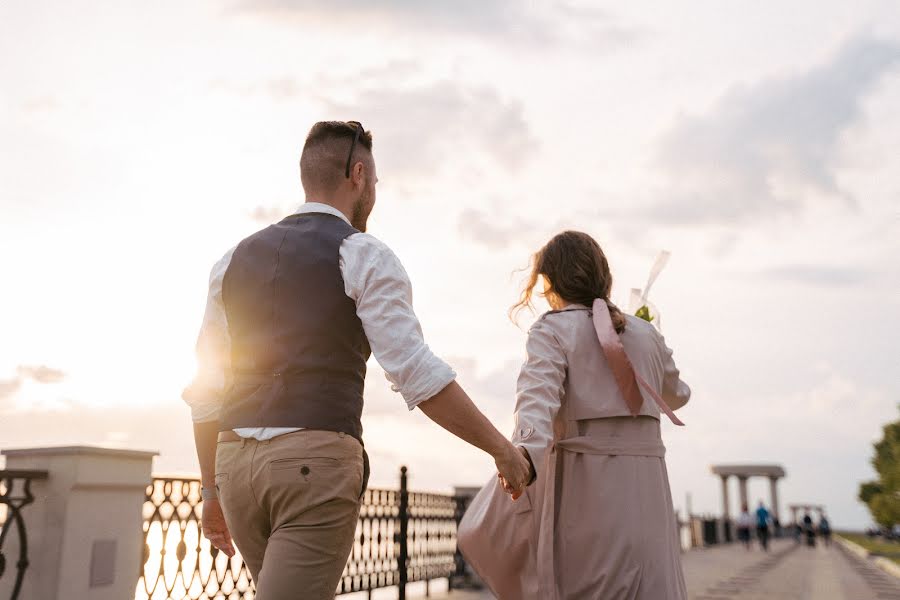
<point>359,129</point>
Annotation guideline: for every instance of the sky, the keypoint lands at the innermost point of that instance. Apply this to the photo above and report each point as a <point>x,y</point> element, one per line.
<point>759,143</point>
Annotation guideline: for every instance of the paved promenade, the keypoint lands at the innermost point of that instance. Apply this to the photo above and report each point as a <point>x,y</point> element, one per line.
<point>787,572</point>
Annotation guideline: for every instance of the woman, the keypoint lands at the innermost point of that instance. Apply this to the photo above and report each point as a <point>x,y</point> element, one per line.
<point>597,522</point>
<point>744,522</point>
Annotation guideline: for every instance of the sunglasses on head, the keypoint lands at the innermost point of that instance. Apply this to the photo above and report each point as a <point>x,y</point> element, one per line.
<point>359,130</point>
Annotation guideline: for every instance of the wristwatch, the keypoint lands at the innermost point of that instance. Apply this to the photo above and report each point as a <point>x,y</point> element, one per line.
<point>209,493</point>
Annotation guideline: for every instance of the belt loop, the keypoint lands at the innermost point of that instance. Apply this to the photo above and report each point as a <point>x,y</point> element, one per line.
<point>243,441</point>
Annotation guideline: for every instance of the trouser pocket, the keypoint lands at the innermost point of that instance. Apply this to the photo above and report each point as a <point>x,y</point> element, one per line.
<point>366,472</point>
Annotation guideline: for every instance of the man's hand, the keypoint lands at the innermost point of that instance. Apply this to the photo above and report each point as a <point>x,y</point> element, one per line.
<point>214,528</point>
<point>514,470</point>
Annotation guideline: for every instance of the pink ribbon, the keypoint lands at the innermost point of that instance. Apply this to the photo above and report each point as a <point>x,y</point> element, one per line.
<point>626,377</point>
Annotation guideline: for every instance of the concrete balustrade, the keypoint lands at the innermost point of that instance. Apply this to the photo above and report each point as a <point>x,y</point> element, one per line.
<point>85,526</point>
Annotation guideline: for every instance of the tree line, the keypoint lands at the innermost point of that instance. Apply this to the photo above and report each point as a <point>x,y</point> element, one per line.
<point>882,495</point>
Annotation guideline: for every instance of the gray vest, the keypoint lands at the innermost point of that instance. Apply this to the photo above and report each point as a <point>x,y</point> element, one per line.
<point>298,350</point>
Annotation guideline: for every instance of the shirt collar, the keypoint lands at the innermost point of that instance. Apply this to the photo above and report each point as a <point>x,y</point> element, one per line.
<point>318,207</point>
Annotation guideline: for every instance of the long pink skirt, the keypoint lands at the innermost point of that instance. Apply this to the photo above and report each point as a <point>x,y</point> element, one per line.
<point>604,530</point>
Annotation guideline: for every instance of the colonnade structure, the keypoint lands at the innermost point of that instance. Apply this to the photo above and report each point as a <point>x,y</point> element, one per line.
<point>743,473</point>
<point>806,508</point>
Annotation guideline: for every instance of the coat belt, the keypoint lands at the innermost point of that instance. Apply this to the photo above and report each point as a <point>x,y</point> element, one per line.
<point>604,446</point>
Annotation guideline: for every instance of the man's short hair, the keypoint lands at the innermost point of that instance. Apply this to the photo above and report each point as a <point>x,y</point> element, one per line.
<point>324,158</point>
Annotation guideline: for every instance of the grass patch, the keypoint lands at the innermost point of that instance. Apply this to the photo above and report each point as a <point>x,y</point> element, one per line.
<point>876,546</point>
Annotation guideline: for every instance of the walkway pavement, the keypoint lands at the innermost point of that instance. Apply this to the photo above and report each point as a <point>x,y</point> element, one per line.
<point>786,572</point>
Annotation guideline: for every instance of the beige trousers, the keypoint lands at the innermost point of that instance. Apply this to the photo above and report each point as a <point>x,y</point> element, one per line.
<point>292,504</point>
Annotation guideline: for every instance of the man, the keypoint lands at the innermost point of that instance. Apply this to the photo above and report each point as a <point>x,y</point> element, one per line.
<point>293,313</point>
<point>762,526</point>
<point>810,530</point>
<point>825,529</point>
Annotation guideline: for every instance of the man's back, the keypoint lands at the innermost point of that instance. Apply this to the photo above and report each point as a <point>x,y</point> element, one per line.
<point>295,335</point>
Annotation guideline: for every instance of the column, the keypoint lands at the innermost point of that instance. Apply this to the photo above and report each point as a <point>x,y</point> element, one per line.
<point>726,512</point>
<point>465,577</point>
<point>742,479</point>
<point>725,528</point>
<point>84,528</point>
<point>773,486</point>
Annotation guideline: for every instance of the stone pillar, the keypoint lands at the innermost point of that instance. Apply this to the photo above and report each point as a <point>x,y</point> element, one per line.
<point>464,577</point>
<point>743,484</point>
<point>773,486</point>
<point>85,535</point>
<point>725,528</point>
<point>726,511</point>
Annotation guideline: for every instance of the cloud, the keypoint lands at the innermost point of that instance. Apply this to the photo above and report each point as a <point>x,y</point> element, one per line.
<point>37,373</point>
<point>493,232</point>
<point>497,229</point>
<point>40,104</point>
<point>417,128</point>
<point>766,149</point>
<point>8,387</point>
<point>819,275</point>
<point>41,373</point>
<point>498,20</point>
<point>282,88</point>
<point>268,214</point>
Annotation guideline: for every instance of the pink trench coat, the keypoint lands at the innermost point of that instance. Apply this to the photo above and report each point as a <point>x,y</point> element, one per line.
<point>597,523</point>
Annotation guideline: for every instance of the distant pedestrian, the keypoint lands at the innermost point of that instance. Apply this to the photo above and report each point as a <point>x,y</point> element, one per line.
<point>762,526</point>
<point>809,530</point>
<point>825,530</point>
<point>744,523</point>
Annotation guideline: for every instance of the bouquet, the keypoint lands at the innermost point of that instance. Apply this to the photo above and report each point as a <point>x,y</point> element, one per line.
<point>638,304</point>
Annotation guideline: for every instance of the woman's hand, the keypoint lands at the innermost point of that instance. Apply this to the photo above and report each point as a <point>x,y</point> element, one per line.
<point>531,475</point>
<point>214,529</point>
<point>514,470</point>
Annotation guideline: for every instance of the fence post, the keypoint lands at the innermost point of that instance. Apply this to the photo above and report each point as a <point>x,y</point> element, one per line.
<point>403,560</point>
<point>84,526</point>
<point>15,497</point>
<point>463,576</point>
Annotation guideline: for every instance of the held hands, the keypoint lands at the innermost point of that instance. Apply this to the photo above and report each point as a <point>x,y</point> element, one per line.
<point>514,470</point>
<point>214,529</point>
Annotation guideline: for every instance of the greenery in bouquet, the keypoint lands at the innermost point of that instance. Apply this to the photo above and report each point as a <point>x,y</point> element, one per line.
<point>644,313</point>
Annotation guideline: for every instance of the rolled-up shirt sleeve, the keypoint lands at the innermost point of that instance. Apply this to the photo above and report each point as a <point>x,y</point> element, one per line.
<point>376,280</point>
<point>205,394</point>
<point>539,393</point>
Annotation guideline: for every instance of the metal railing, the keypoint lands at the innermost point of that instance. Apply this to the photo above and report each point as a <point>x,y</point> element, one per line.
<point>401,537</point>
<point>15,495</point>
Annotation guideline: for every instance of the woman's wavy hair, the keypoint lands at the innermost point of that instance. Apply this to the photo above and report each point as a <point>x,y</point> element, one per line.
<point>576,271</point>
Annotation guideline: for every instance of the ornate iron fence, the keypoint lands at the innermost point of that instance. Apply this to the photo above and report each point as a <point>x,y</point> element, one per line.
<point>178,562</point>
<point>15,494</point>
<point>401,537</point>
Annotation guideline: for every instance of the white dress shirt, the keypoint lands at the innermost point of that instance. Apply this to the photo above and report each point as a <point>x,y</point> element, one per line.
<point>376,281</point>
